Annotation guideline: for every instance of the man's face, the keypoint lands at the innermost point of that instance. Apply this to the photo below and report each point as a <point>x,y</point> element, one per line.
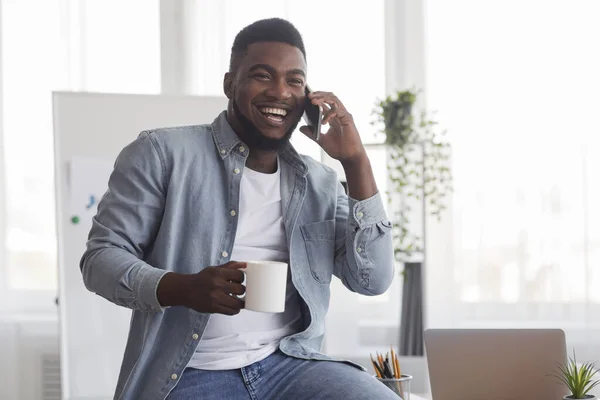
<point>267,94</point>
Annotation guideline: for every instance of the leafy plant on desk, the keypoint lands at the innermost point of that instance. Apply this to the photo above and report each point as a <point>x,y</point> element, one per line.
<point>578,379</point>
<point>418,166</point>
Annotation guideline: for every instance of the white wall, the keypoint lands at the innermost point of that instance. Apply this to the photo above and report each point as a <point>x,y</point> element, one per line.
<point>23,342</point>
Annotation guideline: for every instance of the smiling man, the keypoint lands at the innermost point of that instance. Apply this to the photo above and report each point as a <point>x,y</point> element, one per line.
<point>187,206</point>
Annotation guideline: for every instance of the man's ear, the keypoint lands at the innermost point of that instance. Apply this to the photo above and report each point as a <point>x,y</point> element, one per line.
<point>228,85</point>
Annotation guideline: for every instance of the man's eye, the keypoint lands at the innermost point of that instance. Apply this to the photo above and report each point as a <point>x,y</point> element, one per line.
<point>262,76</point>
<point>296,82</point>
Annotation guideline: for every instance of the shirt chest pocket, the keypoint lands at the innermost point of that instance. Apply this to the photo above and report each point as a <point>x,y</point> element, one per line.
<point>319,239</point>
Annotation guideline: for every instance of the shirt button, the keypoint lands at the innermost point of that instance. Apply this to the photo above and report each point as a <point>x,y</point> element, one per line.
<point>232,212</point>
<point>236,171</point>
<point>223,152</point>
<point>242,149</point>
<point>174,376</point>
<point>224,254</point>
<point>359,214</point>
<point>195,336</point>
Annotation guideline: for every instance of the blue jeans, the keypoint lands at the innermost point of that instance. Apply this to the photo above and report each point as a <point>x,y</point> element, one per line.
<point>280,377</point>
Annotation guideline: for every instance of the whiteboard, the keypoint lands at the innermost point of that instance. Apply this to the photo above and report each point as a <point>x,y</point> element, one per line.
<point>90,129</point>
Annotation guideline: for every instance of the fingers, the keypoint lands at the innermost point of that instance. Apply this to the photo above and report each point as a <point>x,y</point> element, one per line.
<point>230,302</point>
<point>232,275</point>
<point>233,288</point>
<point>327,98</point>
<point>332,111</point>
<point>231,271</point>
<point>320,94</point>
<point>336,112</point>
<point>329,113</point>
<point>234,265</point>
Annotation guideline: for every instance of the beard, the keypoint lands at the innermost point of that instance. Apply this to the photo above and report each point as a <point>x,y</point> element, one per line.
<point>254,138</point>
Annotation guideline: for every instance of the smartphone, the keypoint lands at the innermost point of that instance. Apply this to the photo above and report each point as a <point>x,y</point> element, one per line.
<point>312,115</point>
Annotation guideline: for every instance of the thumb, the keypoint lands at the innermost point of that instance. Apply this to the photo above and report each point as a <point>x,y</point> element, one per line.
<point>234,265</point>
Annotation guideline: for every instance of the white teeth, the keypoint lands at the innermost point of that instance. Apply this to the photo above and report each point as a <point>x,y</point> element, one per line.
<point>278,111</point>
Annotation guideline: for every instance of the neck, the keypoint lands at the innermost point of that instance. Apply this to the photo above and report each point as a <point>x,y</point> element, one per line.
<point>258,160</point>
<point>262,161</point>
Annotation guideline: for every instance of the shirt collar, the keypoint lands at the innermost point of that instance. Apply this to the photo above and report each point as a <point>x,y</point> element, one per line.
<point>227,140</point>
<point>225,137</point>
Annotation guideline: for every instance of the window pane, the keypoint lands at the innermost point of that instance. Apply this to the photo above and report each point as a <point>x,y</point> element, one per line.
<point>516,84</point>
<point>32,67</point>
<point>121,46</point>
<point>41,52</point>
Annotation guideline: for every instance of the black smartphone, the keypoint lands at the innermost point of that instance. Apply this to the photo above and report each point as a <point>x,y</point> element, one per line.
<point>312,115</point>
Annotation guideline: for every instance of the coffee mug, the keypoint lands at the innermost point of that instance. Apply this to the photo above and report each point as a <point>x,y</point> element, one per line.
<point>266,283</point>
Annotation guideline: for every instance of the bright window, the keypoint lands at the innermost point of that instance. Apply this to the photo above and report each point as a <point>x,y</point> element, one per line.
<point>120,50</point>
<point>516,83</point>
<point>31,68</point>
<point>63,45</point>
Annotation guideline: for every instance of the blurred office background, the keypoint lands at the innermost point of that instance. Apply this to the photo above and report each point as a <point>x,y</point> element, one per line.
<point>516,84</point>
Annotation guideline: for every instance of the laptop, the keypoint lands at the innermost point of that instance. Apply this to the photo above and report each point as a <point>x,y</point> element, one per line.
<point>495,364</point>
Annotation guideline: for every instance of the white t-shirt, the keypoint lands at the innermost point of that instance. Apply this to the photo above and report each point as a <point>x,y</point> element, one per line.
<point>231,342</point>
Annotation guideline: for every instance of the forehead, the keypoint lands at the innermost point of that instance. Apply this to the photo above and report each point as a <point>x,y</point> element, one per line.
<point>281,56</point>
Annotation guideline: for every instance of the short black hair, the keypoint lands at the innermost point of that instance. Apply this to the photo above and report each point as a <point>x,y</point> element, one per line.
<point>265,30</point>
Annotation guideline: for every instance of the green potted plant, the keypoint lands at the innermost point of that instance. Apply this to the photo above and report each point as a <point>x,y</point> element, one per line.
<point>578,379</point>
<point>418,165</point>
<point>418,162</point>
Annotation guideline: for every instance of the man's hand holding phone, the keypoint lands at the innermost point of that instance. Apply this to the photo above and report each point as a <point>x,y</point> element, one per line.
<point>342,140</point>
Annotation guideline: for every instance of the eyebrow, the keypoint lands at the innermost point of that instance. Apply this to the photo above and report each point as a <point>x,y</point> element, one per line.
<point>271,70</point>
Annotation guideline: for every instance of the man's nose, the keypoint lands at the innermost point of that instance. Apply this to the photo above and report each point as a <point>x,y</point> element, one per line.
<point>280,90</point>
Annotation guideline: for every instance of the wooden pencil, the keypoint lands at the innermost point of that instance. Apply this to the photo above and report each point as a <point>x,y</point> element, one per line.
<point>375,366</point>
<point>394,364</point>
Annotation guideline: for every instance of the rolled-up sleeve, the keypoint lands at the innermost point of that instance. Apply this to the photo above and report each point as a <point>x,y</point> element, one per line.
<point>364,260</point>
<point>124,227</point>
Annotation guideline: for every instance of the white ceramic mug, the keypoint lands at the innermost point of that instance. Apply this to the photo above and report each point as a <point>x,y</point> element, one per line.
<point>266,283</point>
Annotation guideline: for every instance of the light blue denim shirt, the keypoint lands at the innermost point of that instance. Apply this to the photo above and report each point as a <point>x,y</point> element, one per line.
<point>168,208</point>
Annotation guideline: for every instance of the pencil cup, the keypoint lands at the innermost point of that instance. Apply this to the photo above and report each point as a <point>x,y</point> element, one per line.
<point>399,386</point>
